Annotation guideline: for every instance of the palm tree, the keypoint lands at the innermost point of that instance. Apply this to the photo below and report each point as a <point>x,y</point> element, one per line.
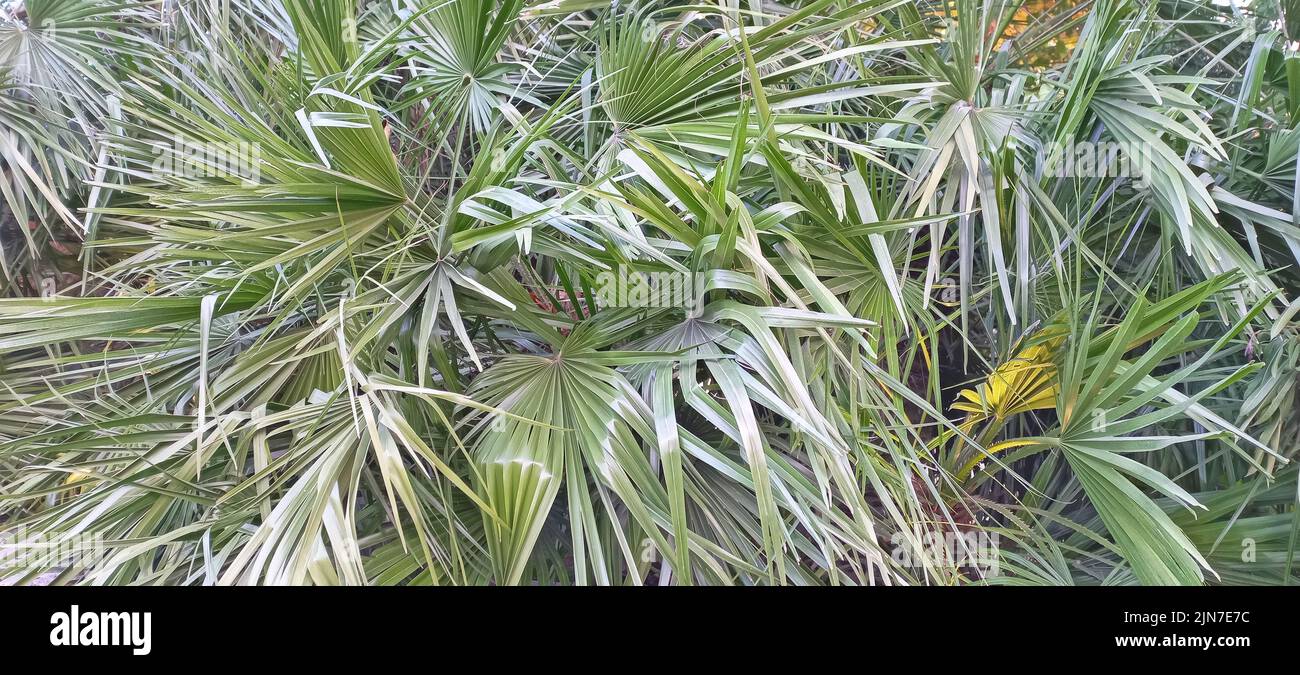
<point>815,293</point>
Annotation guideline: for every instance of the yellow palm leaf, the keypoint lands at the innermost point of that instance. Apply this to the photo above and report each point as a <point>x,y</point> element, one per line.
<point>1023,383</point>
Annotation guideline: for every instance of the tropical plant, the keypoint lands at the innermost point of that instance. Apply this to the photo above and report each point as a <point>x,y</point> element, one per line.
<point>818,292</point>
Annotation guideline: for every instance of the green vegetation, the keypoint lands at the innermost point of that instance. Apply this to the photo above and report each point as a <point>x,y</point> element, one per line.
<point>577,292</point>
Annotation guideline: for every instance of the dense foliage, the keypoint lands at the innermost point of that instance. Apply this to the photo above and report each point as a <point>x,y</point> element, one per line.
<point>588,292</point>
